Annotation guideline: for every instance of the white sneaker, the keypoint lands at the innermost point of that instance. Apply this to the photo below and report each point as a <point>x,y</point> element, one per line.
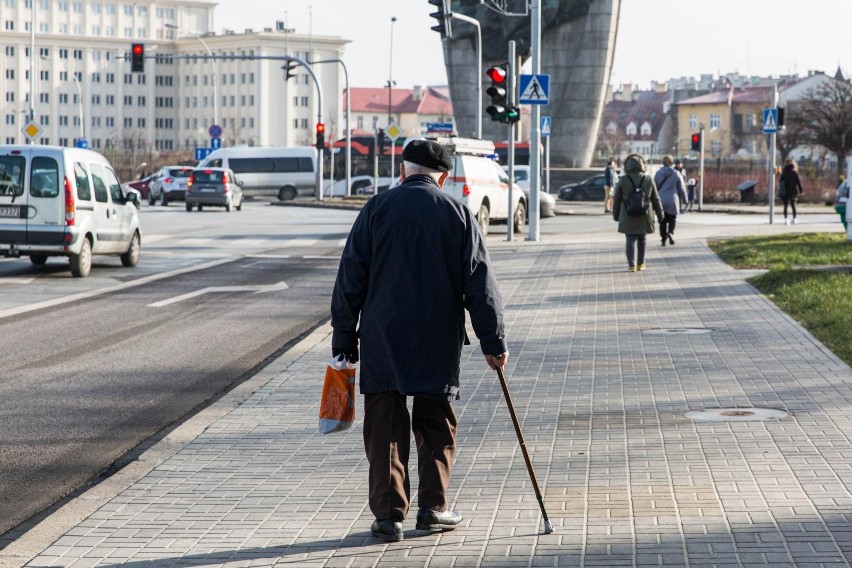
<point>794,221</point>
<point>786,221</point>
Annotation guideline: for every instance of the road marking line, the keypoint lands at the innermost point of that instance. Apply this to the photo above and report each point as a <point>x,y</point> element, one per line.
<point>341,242</point>
<point>259,289</point>
<point>17,279</point>
<point>320,257</point>
<point>299,243</point>
<point>118,287</point>
<point>269,256</point>
<point>194,242</point>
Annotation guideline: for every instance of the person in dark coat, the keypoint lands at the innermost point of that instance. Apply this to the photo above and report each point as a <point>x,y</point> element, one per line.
<point>636,227</point>
<point>790,188</point>
<point>414,261</point>
<point>672,190</point>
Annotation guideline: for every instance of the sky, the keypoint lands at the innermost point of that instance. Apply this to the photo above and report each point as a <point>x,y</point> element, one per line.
<point>657,39</point>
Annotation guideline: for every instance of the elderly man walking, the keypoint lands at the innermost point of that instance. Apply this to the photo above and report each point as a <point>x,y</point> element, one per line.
<point>672,189</point>
<point>414,261</point>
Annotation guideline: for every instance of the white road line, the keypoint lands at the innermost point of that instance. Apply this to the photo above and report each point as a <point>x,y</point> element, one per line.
<point>320,257</point>
<point>275,256</point>
<point>250,242</point>
<point>299,242</point>
<point>17,279</point>
<point>148,239</point>
<point>124,286</point>
<point>260,289</point>
<point>194,242</point>
<point>341,242</point>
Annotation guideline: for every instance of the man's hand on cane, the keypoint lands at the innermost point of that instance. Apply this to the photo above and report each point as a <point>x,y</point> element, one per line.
<point>497,361</point>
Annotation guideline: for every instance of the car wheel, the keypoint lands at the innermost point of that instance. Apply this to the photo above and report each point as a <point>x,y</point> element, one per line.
<point>580,195</point>
<point>200,207</point>
<point>240,205</point>
<point>228,206</point>
<point>163,200</point>
<point>38,259</point>
<point>520,217</point>
<point>189,206</point>
<point>81,264</point>
<point>131,257</point>
<point>483,218</point>
<point>151,200</point>
<point>287,193</point>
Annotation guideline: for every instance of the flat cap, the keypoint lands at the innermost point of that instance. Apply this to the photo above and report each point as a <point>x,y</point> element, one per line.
<point>428,154</point>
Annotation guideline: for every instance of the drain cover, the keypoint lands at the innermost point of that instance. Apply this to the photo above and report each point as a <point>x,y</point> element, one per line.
<point>678,331</point>
<point>736,414</point>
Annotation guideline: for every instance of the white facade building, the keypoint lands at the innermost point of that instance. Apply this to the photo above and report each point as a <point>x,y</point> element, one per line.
<point>172,105</point>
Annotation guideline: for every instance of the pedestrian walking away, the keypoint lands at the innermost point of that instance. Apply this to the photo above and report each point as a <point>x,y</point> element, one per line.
<point>790,188</point>
<point>414,261</point>
<point>610,177</point>
<point>636,227</point>
<point>672,191</point>
<point>682,171</point>
<point>690,184</point>
<point>841,197</point>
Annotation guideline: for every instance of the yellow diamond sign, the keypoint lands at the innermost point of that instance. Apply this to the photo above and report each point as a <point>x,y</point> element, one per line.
<point>31,130</point>
<point>393,131</point>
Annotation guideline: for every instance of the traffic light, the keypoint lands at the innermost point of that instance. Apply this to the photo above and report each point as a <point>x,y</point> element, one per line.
<point>497,91</point>
<point>780,117</point>
<point>444,15</point>
<point>290,70</point>
<point>320,136</point>
<point>137,57</point>
<point>696,142</point>
<point>513,114</point>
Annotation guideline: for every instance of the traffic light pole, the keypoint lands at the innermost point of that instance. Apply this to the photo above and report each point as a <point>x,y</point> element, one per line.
<point>310,71</point>
<point>511,150</point>
<point>772,141</point>
<point>474,22</point>
<point>701,171</point>
<point>346,123</point>
<point>535,128</point>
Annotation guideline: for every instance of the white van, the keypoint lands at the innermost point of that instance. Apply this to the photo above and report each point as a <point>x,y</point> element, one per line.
<point>480,183</point>
<point>284,172</point>
<point>57,201</point>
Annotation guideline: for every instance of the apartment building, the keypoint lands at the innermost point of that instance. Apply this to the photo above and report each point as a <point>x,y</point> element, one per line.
<point>78,82</point>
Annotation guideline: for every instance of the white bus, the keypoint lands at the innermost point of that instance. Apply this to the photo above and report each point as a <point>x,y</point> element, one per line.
<point>284,172</point>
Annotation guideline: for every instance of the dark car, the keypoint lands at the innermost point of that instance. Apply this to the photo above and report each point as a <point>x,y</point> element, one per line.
<point>216,187</point>
<point>588,189</point>
<point>141,185</point>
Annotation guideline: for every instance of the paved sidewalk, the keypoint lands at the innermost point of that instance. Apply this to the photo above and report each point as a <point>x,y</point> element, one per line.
<point>604,365</point>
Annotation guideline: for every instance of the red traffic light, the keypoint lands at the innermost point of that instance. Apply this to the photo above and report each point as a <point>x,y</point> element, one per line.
<point>138,49</point>
<point>320,128</point>
<point>496,74</point>
<point>696,139</point>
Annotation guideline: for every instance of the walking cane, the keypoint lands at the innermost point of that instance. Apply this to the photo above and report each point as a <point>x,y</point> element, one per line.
<point>548,528</point>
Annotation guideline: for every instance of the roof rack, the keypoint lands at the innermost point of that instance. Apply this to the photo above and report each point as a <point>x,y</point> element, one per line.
<point>470,146</point>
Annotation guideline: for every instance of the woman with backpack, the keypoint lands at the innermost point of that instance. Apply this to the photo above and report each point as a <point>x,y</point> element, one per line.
<point>637,202</point>
<point>790,188</point>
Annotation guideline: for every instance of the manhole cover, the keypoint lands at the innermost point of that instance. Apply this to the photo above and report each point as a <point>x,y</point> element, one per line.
<point>678,331</point>
<point>736,414</point>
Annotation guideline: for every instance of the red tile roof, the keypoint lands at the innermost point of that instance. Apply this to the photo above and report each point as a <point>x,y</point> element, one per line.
<point>375,101</point>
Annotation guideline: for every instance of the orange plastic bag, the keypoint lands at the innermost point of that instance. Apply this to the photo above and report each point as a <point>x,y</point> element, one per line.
<point>337,406</point>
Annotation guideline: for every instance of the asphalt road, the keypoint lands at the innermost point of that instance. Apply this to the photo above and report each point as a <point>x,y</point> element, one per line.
<point>85,381</point>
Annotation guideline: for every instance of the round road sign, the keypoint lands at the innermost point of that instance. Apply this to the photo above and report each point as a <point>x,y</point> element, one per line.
<point>215,131</point>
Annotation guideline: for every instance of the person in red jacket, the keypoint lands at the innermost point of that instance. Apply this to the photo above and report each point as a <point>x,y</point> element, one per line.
<point>790,188</point>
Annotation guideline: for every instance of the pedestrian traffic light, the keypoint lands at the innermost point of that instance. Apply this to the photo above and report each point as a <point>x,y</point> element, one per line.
<point>497,91</point>
<point>696,142</point>
<point>137,58</point>
<point>444,15</point>
<point>513,114</point>
<point>780,122</point>
<point>289,70</point>
<point>320,136</point>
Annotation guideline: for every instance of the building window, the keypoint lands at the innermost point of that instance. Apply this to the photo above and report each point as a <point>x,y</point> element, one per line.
<point>749,120</point>
<point>10,73</point>
<point>44,98</point>
<point>10,50</point>
<point>63,120</point>
<point>78,54</point>
<point>359,123</point>
<point>693,122</point>
<point>304,102</point>
<point>140,123</point>
<point>44,52</point>
<point>715,146</point>
<point>44,120</point>
<point>646,129</point>
<point>715,121</point>
<point>305,123</point>
<point>10,25</point>
<point>631,129</point>
<point>10,119</point>
<point>295,101</point>
<point>295,121</point>
<point>63,98</point>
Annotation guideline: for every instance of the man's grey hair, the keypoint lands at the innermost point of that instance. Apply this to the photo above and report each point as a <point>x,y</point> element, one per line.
<point>668,160</point>
<point>412,168</point>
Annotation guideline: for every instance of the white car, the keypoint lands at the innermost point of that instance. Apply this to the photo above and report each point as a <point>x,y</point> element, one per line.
<point>546,202</point>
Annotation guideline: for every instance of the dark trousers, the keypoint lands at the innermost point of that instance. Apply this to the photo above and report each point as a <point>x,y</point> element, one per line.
<point>635,249</point>
<point>387,439</point>
<point>792,204</point>
<point>667,225</point>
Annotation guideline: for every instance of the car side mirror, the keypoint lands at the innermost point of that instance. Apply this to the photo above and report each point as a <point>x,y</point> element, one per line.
<point>240,183</point>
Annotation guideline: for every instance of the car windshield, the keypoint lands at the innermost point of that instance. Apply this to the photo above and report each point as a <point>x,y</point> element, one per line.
<point>180,172</point>
<point>521,175</point>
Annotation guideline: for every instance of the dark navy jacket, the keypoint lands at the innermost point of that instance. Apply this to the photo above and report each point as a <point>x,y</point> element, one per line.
<point>414,261</point>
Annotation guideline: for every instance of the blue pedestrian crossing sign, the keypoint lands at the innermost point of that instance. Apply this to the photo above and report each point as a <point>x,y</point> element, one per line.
<point>770,120</point>
<point>534,89</point>
<point>545,126</point>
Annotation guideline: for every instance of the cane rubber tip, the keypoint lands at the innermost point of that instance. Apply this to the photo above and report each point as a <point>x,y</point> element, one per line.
<point>548,528</point>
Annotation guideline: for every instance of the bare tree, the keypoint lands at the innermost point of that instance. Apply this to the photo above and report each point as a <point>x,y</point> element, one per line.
<point>826,117</point>
<point>794,133</point>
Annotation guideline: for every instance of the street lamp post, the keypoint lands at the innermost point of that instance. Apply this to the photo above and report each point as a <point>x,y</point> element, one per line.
<point>390,76</point>
<point>80,105</point>
<point>215,68</point>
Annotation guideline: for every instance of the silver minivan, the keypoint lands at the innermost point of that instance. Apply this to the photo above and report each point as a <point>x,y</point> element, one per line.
<point>57,201</point>
<point>284,172</point>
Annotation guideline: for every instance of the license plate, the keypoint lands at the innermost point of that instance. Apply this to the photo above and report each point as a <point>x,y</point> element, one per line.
<point>9,211</point>
<point>207,190</point>
<point>183,186</point>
